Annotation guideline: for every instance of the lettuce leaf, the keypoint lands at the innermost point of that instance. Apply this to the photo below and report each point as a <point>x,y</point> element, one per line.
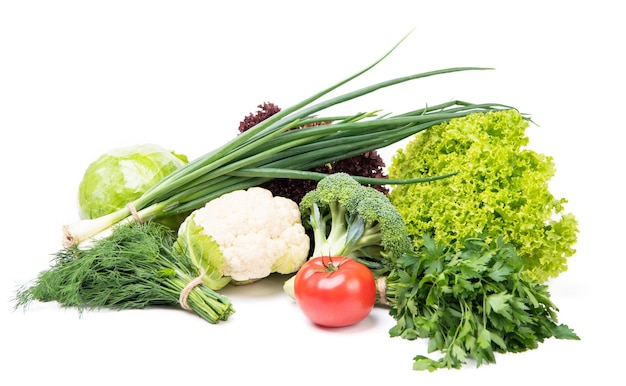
<point>501,189</point>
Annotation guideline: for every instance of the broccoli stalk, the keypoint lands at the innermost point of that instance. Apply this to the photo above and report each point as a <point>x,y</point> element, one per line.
<point>348,235</point>
<point>345,231</point>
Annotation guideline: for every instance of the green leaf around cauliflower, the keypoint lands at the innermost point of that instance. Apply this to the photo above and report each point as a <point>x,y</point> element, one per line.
<point>204,252</point>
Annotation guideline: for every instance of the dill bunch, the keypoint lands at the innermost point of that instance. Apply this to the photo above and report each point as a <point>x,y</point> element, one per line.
<point>134,268</point>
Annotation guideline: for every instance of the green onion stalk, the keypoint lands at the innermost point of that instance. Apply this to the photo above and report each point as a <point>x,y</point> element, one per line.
<point>285,146</point>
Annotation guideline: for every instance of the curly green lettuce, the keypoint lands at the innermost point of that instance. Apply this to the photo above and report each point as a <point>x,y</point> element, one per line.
<point>501,189</point>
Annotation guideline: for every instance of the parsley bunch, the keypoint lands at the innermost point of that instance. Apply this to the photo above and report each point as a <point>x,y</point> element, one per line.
<point>470,302</point>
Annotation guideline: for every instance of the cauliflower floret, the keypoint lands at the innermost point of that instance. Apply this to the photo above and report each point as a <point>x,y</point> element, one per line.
<point>256,233</point>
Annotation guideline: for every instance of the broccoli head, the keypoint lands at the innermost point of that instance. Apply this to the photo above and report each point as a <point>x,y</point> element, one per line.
<point>348,219</point>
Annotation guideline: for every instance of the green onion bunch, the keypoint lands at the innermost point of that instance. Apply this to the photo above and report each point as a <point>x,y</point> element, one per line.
<point>273,149</point>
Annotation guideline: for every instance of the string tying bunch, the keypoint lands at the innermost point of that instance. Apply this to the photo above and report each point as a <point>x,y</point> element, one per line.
<point>381,287</point>
<point>134,213</point>
<point>184,294</point>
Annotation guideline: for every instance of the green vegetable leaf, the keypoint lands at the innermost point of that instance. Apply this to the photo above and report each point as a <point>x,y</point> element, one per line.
<point>562,331</point>
<point>421,362</point>
<point>500,271</point>
<point>500,303</point>
<point>459,354</point>
<point>204,252</point>
<point>484,338</point>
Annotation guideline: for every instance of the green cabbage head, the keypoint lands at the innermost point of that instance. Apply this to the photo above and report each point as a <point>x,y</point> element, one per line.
<point>123,175</point>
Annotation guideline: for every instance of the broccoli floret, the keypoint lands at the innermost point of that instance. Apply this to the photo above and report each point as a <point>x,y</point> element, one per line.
<point>348,219</point>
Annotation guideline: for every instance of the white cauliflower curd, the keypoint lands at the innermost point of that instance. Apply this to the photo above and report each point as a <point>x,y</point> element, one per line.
<point>244,236</point>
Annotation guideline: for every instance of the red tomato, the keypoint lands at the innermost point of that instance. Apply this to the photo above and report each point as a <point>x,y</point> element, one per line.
<point>335,291</point>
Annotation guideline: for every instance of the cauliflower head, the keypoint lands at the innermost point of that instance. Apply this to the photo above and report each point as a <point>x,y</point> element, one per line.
<point>243,236</point>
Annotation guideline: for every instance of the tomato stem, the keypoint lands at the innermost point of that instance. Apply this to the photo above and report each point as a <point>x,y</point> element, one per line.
<point>330,266</point>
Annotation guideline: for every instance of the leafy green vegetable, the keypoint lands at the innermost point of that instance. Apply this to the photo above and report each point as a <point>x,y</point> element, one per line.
<point>271,149</point>
<point>501,189</point>
<point>470,302</point>
<point>135,267</point>
<point>122,175</point>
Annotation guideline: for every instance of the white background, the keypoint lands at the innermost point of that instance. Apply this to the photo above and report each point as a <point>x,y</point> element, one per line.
<point>78,78</point>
